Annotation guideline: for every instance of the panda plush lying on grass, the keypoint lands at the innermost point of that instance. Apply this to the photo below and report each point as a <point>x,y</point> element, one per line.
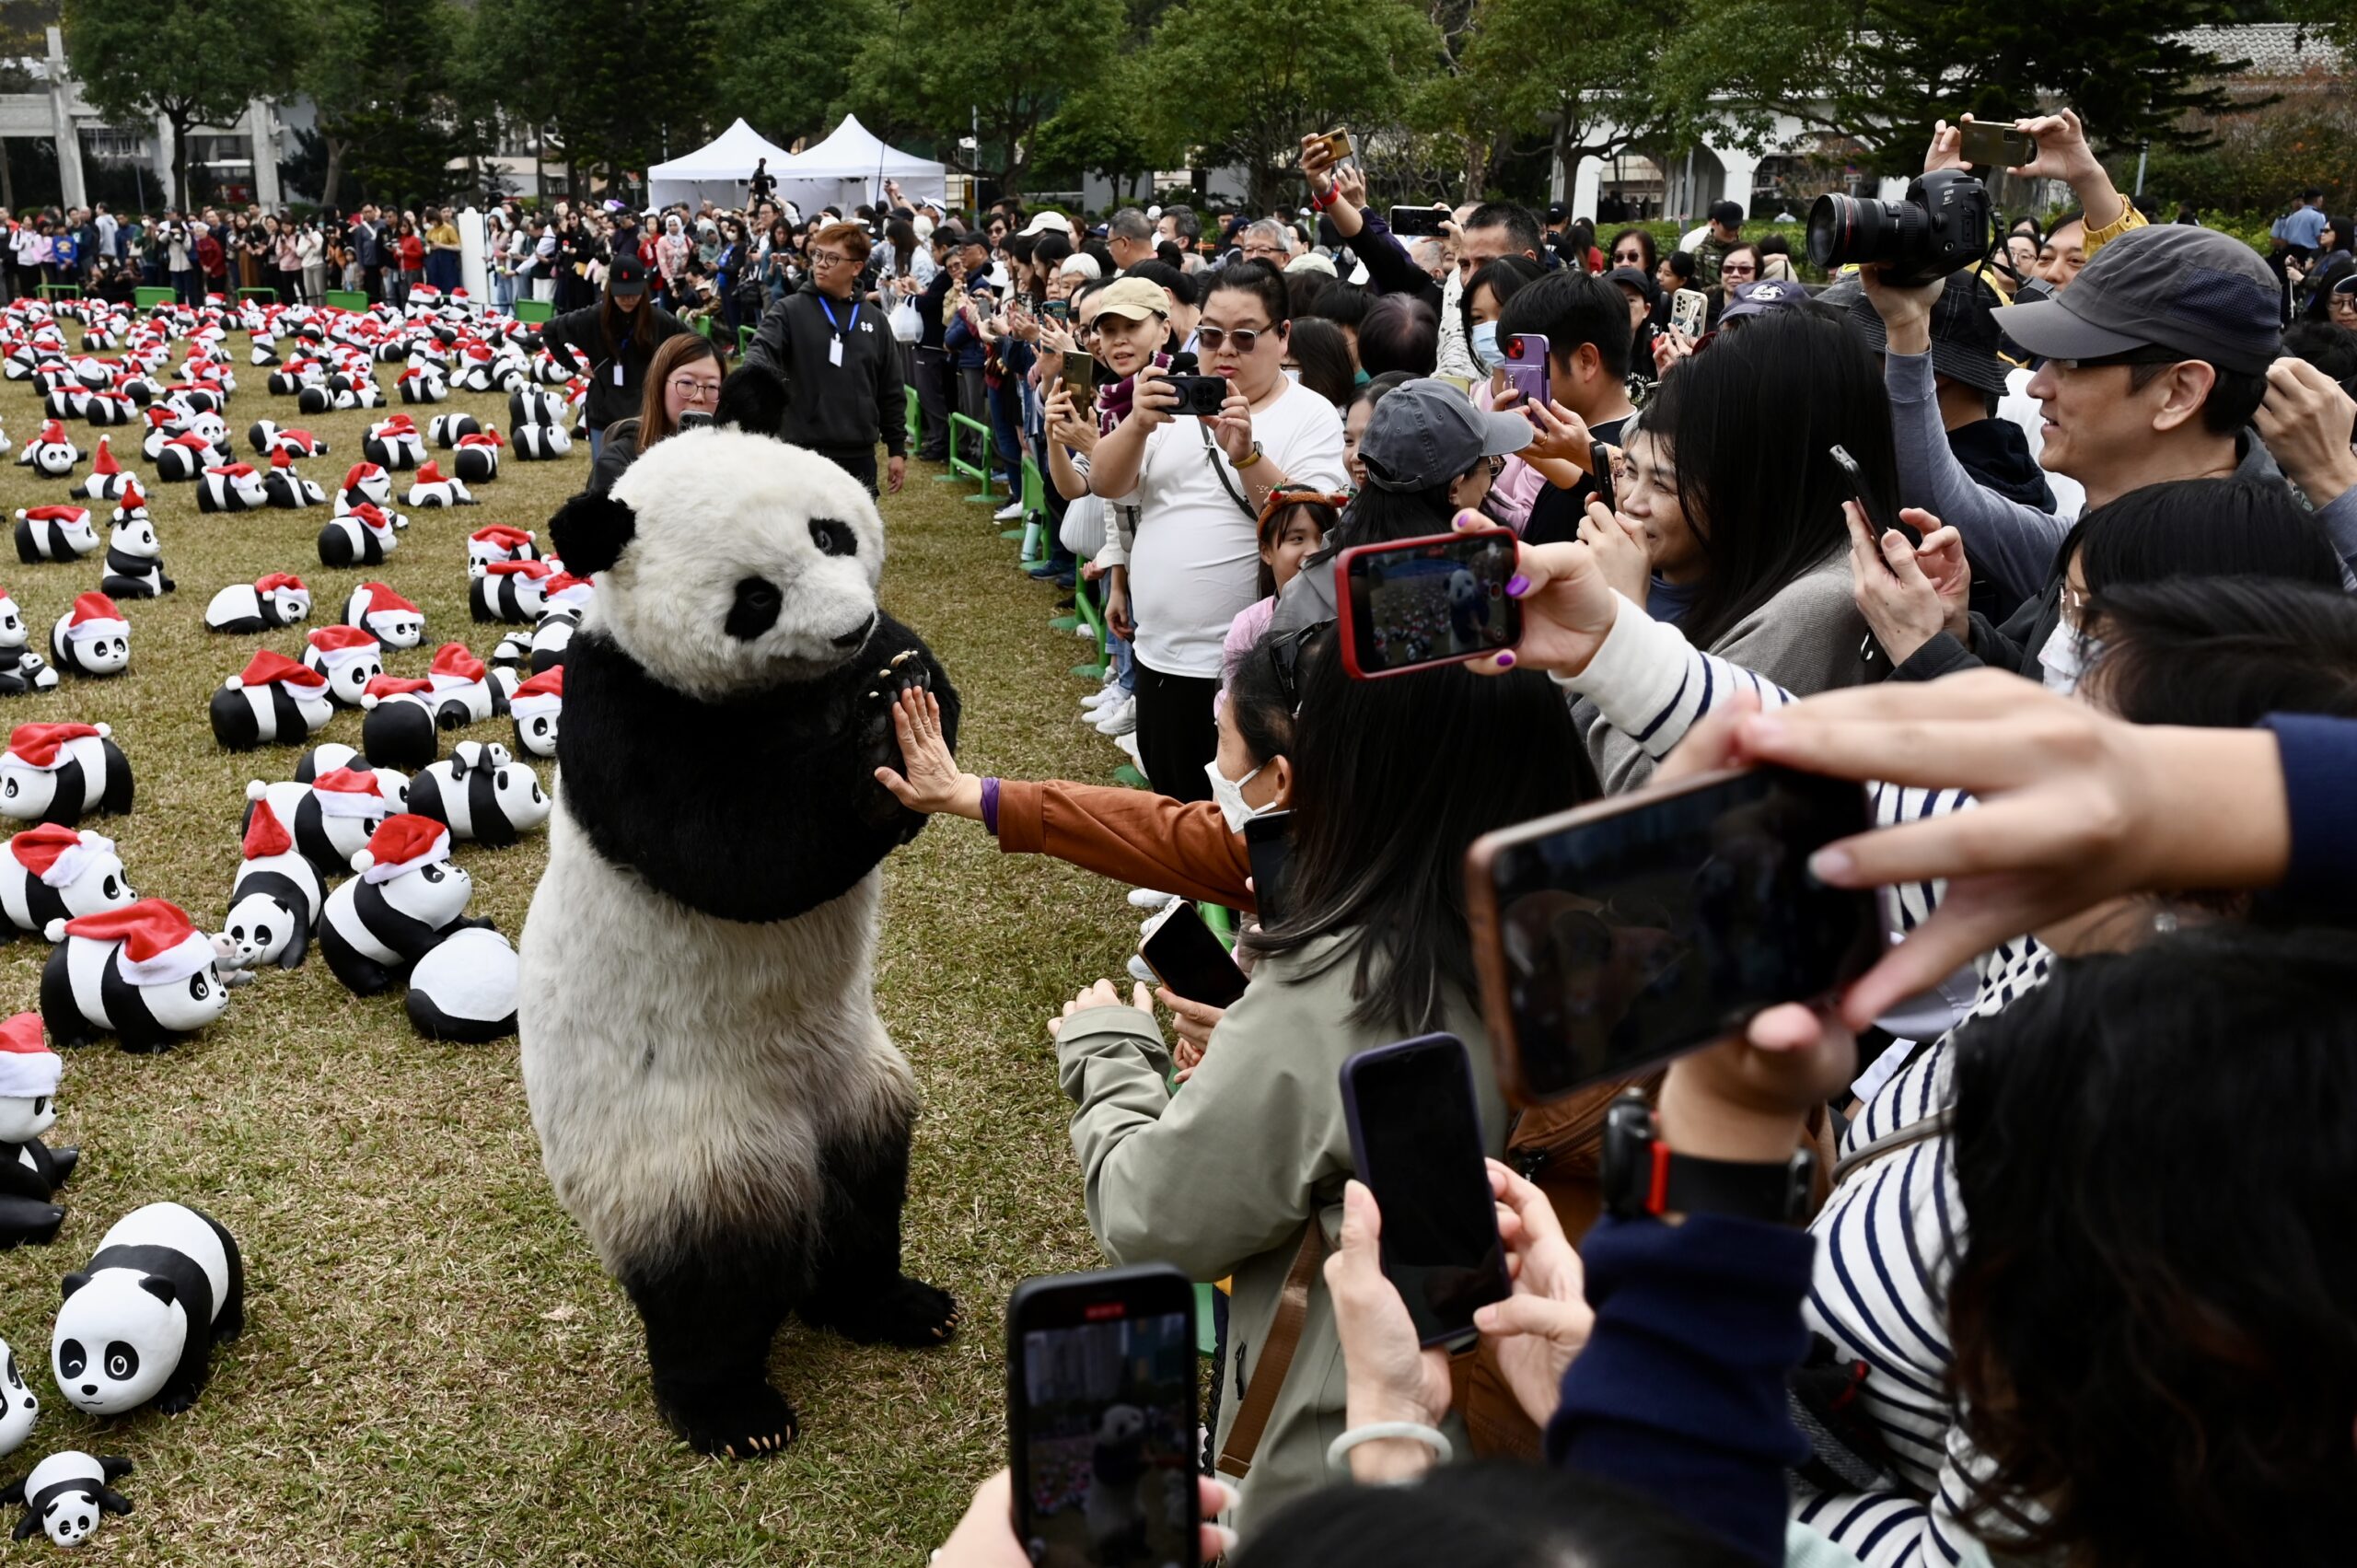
<point>719,1106</point>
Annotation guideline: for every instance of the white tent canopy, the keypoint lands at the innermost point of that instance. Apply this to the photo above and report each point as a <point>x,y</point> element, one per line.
<point>850,167</point>
<point>716,172</point>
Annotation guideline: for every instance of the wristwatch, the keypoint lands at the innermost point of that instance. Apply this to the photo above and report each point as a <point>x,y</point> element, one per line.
<point>1642,1174</point>
<point>1249,458</point>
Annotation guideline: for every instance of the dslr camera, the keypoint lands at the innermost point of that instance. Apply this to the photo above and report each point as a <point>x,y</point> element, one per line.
<point>1940,227</point>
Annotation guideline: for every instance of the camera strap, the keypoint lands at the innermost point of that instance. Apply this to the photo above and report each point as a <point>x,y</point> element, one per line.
<point>1260,1399</point>
<point>1213,456</point>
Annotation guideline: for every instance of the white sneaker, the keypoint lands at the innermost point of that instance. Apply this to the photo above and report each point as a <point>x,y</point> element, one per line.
<point>1140,973</point>
<point>1151,899</point>
<point>1119,718</point>
<point>1097,699</point>
<point>1010,513</point>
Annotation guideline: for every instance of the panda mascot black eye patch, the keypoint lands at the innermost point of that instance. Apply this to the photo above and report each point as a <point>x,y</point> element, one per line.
<point>833,537</point>
<point>756,608</point>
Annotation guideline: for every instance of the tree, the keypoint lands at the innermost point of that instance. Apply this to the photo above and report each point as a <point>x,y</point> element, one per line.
<point>380,77</point>
<point>191,61</point>
<point>1574,71</point>
<point>1245,80</point>
<point>624,82</point>
<point>940,67</point>
<point>788,63</point>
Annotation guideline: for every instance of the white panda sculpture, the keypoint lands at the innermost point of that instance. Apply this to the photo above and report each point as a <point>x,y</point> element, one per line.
<point>509,591</point>
<point>56,873</point>
<point>275,901</point>
<point>19,1406</point>
<point>541,443</point>
<point>402,727</point>
<point>68,1495</point>
<point>107,481</point>
<point>274,699</point>
<point>497,542</point>
<point>54,533</point>
<point>362,537</point>
<point>348,656</point>
<point>143,973</point>
<point>330,816</point>
<point>51,454</point>
<point>481,793</point>
<point>232,487</point>
<point>465,989</point>
<point>434,488</point>
<point>61,772</point>
<point>408,895</point>
<point>384,615</point>
<point>536,706</point>
<point>265,604</point>
<point>477,458</point>
<point>180,458</point>
<point>735,631</point>
<point>329,756</point>
<point>21,670</point>
<point>134,564</point>
<point>285,490</point>
<point>165,1285</point>
<point>444,429</point>
<point>93,638</point>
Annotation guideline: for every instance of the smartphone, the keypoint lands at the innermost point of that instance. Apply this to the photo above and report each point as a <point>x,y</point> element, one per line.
<point>1202,396</point>
<point>1878,518</point>
<point>1189,957</point>
<point>1615,937</point>
<point>1995,144</point>
<point>1056,310</point>
<point>1526,367</point>
<point>694,419</point>
<point>1416,1138</point>
<point>1268,840</point>
<point>1600,467</point>
<point>1439,600</point>
<point>1418,223</point>
<point>1338,143</point>
<point>1079,376</point>
<point>1102,1416</point>
<point>1689,311</point>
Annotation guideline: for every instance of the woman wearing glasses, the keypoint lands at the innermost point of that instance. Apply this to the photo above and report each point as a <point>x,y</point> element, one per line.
<point>684,380</point>
<point>824,372</point>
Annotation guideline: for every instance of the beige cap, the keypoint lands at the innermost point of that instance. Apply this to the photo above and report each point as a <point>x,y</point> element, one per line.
<point>1136,298</point>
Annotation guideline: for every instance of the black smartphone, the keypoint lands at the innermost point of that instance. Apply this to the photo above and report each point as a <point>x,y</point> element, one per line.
<point>1416,1138</point>
<point>1418,223</point>
<point>1200,395</point>
<point>1268,838</point>
<point>1438,599</point>
<point>1615,937</point>
<point>1100,1418</point>
<point>1599,465</point>
<point>694,419</point>
<point>1878,518</point>
<point>1189,957</point>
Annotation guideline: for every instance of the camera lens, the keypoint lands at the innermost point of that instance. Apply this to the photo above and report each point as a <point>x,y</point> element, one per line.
<point>1846,230</point>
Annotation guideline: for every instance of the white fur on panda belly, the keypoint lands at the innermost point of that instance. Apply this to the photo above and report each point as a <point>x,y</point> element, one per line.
<point>698,1080</point>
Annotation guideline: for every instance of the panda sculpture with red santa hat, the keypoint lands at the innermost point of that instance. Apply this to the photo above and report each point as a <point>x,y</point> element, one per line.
<point>270,601</point>
<point>285,490</point>
<point>232,487</point>
<point>465,690</point>
<point>107,481</point>
<point>478,456</point>
<point>362,537</point>
<point>30,1171</point>
<point>272,700</point>
<point>384,615</point>
<point>21,670</point>
<point>143,973</point>
<point>54,533</point>
<point>58,873</point>
<point>331,817</point>
<point>535,706</point>
<point>61,772</point>
<point>51,454</point>
<point>135,563</point>
<point>433,488</point>
<point>497,542</point>
<point>92,638</point>
<point>348,656</point>
<point>408,895</point>
<point>275,901</point>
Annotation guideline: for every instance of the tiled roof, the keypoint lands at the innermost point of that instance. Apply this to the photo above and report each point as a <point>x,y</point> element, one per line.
<point>2273,49</point>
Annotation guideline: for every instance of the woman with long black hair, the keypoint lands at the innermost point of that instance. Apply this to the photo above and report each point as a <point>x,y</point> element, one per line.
<point>617,337</point>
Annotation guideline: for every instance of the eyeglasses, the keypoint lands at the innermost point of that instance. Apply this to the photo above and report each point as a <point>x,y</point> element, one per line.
<point>1244,338</point>
<point>1627,258</point>
<point>827,259</point>
<point>689,389</point>
<point>1497,467</point>
<point>1263,251</point>
<point>1284,657</point>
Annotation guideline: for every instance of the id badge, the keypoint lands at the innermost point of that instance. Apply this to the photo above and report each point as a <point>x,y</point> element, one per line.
<point>834,351</point>
<point>618,373</point>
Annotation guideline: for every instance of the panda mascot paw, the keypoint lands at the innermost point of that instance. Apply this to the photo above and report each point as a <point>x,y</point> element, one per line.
<point>742,920</point>
<point>753,397</point>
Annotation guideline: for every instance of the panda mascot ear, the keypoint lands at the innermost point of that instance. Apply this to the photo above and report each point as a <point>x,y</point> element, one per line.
<point>590,530</point>
<point>73,1282</point>
<point>160,1288</point>
<point>752,400</point>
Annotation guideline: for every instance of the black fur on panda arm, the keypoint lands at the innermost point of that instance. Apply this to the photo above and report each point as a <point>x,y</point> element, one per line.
<point>756,810</point>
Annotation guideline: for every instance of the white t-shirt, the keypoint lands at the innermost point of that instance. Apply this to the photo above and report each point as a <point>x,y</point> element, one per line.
<point>1196,561</point>
<point>2017,404</point>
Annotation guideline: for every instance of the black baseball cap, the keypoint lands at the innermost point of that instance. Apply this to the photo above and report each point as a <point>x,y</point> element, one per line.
<point>1727,213</point>
<point>1425,433</point>
<point>1966,339</point>
<point>2191,291</point>
<point>627,275</point>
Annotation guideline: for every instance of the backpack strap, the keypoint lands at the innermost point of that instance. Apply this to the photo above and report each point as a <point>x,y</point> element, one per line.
<point>1276,1355</point>
<point>1914,1133</point>
<point>1212,455</point>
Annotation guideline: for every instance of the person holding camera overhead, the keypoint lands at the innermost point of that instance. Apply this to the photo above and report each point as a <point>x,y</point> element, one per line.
<point>835,363</point>
<point>1198,461</point>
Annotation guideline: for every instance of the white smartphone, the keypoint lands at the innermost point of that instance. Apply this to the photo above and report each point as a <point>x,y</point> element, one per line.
<point>1688,309</point>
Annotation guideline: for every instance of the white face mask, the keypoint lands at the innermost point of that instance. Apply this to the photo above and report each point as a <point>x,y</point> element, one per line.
<point>1229,792</point>
<point>1485,346</point>
<point>2064,660</point>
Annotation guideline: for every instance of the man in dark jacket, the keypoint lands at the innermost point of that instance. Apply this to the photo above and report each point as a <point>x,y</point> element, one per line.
<point>935,379</point>
<point>823,371</point>
<point>368,250</point>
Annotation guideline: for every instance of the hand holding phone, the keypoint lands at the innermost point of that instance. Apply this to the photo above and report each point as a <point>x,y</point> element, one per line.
<point>1525,368</point>
<point>1995,144</point>
<point>1420,602</point>
<point>1419,223</point>
<point>1689,308</point>
<point>1877,515</point>
<point>1600,473</point>
<point>1186,956</point>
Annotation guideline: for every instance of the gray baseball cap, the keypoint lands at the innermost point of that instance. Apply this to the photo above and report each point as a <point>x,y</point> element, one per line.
<point>2191,291</point>
<point>1425,433</point>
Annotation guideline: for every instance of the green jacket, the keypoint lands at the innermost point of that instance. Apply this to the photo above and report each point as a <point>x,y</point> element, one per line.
<point>1708,255</point>
<point>1218,1180</point>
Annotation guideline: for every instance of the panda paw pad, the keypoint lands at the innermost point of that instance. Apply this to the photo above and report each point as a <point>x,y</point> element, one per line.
<point>908,1313</point>
<point>747,1424</point>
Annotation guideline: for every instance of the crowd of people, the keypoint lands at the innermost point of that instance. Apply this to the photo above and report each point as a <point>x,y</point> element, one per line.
<point>2048,1295</point>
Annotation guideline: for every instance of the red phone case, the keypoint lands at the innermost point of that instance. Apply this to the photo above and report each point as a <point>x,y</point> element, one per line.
<point>1347,613</point>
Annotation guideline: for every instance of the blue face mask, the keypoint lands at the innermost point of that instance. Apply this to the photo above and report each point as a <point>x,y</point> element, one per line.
<point>1485,346</point>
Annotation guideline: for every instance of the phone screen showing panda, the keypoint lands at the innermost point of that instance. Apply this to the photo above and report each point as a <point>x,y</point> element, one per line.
<point>1101,1370</point>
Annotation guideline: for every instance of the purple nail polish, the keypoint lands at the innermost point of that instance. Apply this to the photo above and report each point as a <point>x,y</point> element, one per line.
<point>1506,660</point>
<point>1518,585</point>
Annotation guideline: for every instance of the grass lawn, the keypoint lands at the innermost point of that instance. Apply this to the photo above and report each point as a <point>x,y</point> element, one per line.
<point>436,1368</point>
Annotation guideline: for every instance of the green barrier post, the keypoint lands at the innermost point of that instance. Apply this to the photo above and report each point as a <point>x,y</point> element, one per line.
<point>1092,666</point>
<point>916,423</point>
<point>534,311</point>
<point>148,299</point>
<point>958,466</point>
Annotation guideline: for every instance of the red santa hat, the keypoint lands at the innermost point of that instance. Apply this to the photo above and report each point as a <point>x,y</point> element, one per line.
<point>544,693</point>
<point>95,616</point>
<point>360,473</point>
<point>383,600</point>
<point>265,834</point>
<point>398,424</point>
<point>161,415</point>
<point>57,854</point>
<point>189,438</point>
<point>400,846</point>
<point>42,745</point>
<point>52,434</point>
<point>502,536</point>
<point>454,666</point>
<point>338,645</point>
<point>269,668</point>
<point>160,945</point>
<point>566,588</point>
<point>520,569</point>
<point>72,514</point>
<point>132,501</point>
<point>383,686</point>
<point>233,470</point>
<point>280,460</point>
<point>372,517</point>
<point>28,1069</point>
<point>428,474</point>
<point>340,792</point>
<point>485,438</point>
<point>277,580</point>
<point>105,465</point>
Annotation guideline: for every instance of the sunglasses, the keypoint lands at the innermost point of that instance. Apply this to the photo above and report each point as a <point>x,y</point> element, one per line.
<point>1244,338</point>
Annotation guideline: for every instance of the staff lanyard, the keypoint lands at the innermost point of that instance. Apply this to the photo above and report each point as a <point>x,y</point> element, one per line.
<point>841,331</point>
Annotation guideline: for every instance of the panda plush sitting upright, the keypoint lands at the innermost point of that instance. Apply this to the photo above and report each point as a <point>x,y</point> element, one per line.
<point>735,632</point>
<point>30,1171</point>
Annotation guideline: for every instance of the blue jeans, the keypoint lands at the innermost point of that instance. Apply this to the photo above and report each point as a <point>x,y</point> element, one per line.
<point>596,444</point>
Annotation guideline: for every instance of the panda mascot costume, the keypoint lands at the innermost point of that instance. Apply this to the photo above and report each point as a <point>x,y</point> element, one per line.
<point>759,1169</point>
